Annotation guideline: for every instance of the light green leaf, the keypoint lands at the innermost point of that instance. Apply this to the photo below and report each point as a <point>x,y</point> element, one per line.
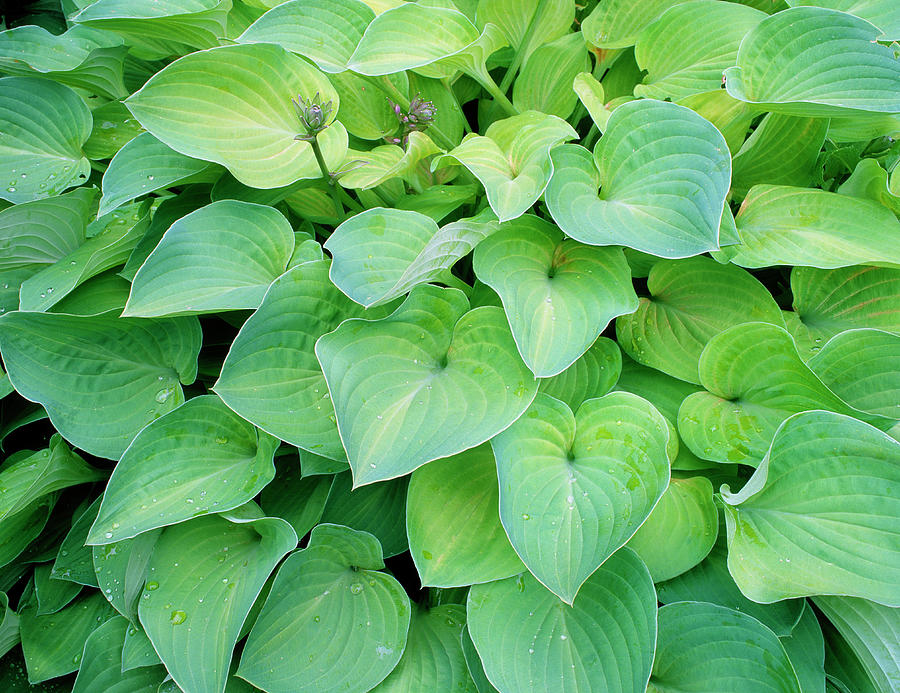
<point>381,253</point>
<point>52,595</point>
<point>618,23</point>
<point>223,256</point>
<point>688,47</point>
<point>74,561</point>
<point>212,105</point>
<point>782,150</point>
<point>145,165</point>
<point>121,569</point>
<point>712,648</point>
<point>805,647</point>
<point>101,294</point>
<point>590,93</point>
<point>691,301</point>
<point>271,376</point>
<point>433,659</point>
<point>378,509</point>
<point>881,13</point>
<point>872,631</point>
<point>512,159</point>
<point>388,161</point>
<point>101,667</point>
<point>114,127</point>
<point>870,181</point>
<point>731,117</point>
<point>429,381</point>
<point>325,31</point>
<point>545,83</point>
<point>455,535</point>
<point>755,379</point>
<point>53,643</point>
<point>365,111</point>
<point>665,172</point>
<point>527,24</point>
<point>558,294</point>
<point>331,620</point>
<point>592,375</point>
<point>43,125</point>
<point>473,663</point>
<point>783,225</point>
<point>101,379</point>
<point>80,57</point>
<point>197,459</point>
<point>812,61</point>
<point>843,669</point>
<point>680,531</point>
<point>576,487</point>
<point>119,232</point>
<point>204,576</point>
<point>529,640</point>
<point>784,541</point>
<point>860,367</point>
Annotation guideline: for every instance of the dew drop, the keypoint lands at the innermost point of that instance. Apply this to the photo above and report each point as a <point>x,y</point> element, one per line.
<point>178,617</point>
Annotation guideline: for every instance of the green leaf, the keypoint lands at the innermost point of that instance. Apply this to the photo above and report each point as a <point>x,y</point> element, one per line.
<point>80,57</point>
<point>680,531</point>
<point>121,569</point>
<point>74,561</point>
<point>763,157</point>
<point>19,530</point>
<point>42,128</point>
<point>145,165</point>
<point>665,172</point>
<point>558,294</point>
<point>365,111</point>
<point>325,31</point>
<point>101,294</point>
<point>433,659</point>
<point>872,631</point>
<point>211,105</point>
<point>575,487</point>
<point>731,117</point>
<point>331,620</point>
<point>378,509</point>
<point>592,375</point>
<point>691,301</point>
<point>860,366</point>
<point>138,650</point>
<point>784,541</point>
<point>755,379</point>
<point>381,253</point>
<point>200,458</point>
<point>618,23</point>
<point>204,577</point>
<point>783,225</point>
<point>590,93</point>
<point>297,499</point>
<point>870,181</point>
<point>9,627</point>
<point>429,381</point>
<point>223,256</point>
<point>51,595</point>
<point>527,24</point>
<point>512,159</point>
<point>843,668</point>
<point>688,47</point>
<point>545,83</point>
<point>53,643</point>
<point>388,161</point>
<point>881,13</point>
<point>805,647</point>
<point>529,640</point>
<point>271,376</point>
<point>455,535</point>
<point>710,647</point>
<point>101,667</point>
<point>101,379</point>
<point>114,127</point>
<point>812,61</point>
<point>473,662</point>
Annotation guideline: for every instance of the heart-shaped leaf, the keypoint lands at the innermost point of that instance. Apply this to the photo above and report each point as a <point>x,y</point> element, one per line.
<point>199,458</point>
<point>42,127</point>
<point>203,578</point>
<point>558,294</point>
<point>271,376</point>
<point>101,379</point>
<point>784,542</point>
<point>531,641</point>
<point>331,619</point>
<point>455,535</point>
<point>755,379</point>
<point>325,31</point>
<point>431,380</point>
<point>223,256</point>
<point>512,159</point>
<point>691,301</point>
<point>381,254</point>
<point>688,47</point>
<point>813,61</point>
<point>592,375</point>
<point>665,172</point>
<point>710,647</point>
<point>212,105</point>
<point>575,487</point>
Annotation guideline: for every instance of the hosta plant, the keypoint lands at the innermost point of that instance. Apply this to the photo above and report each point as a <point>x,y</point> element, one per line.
<point>517,346</point>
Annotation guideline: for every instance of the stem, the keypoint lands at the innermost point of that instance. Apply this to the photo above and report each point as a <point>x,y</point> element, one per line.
<point>451,279</point>
<point>326,175</point>
<point>520,53</point>
<point>490,86</point>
